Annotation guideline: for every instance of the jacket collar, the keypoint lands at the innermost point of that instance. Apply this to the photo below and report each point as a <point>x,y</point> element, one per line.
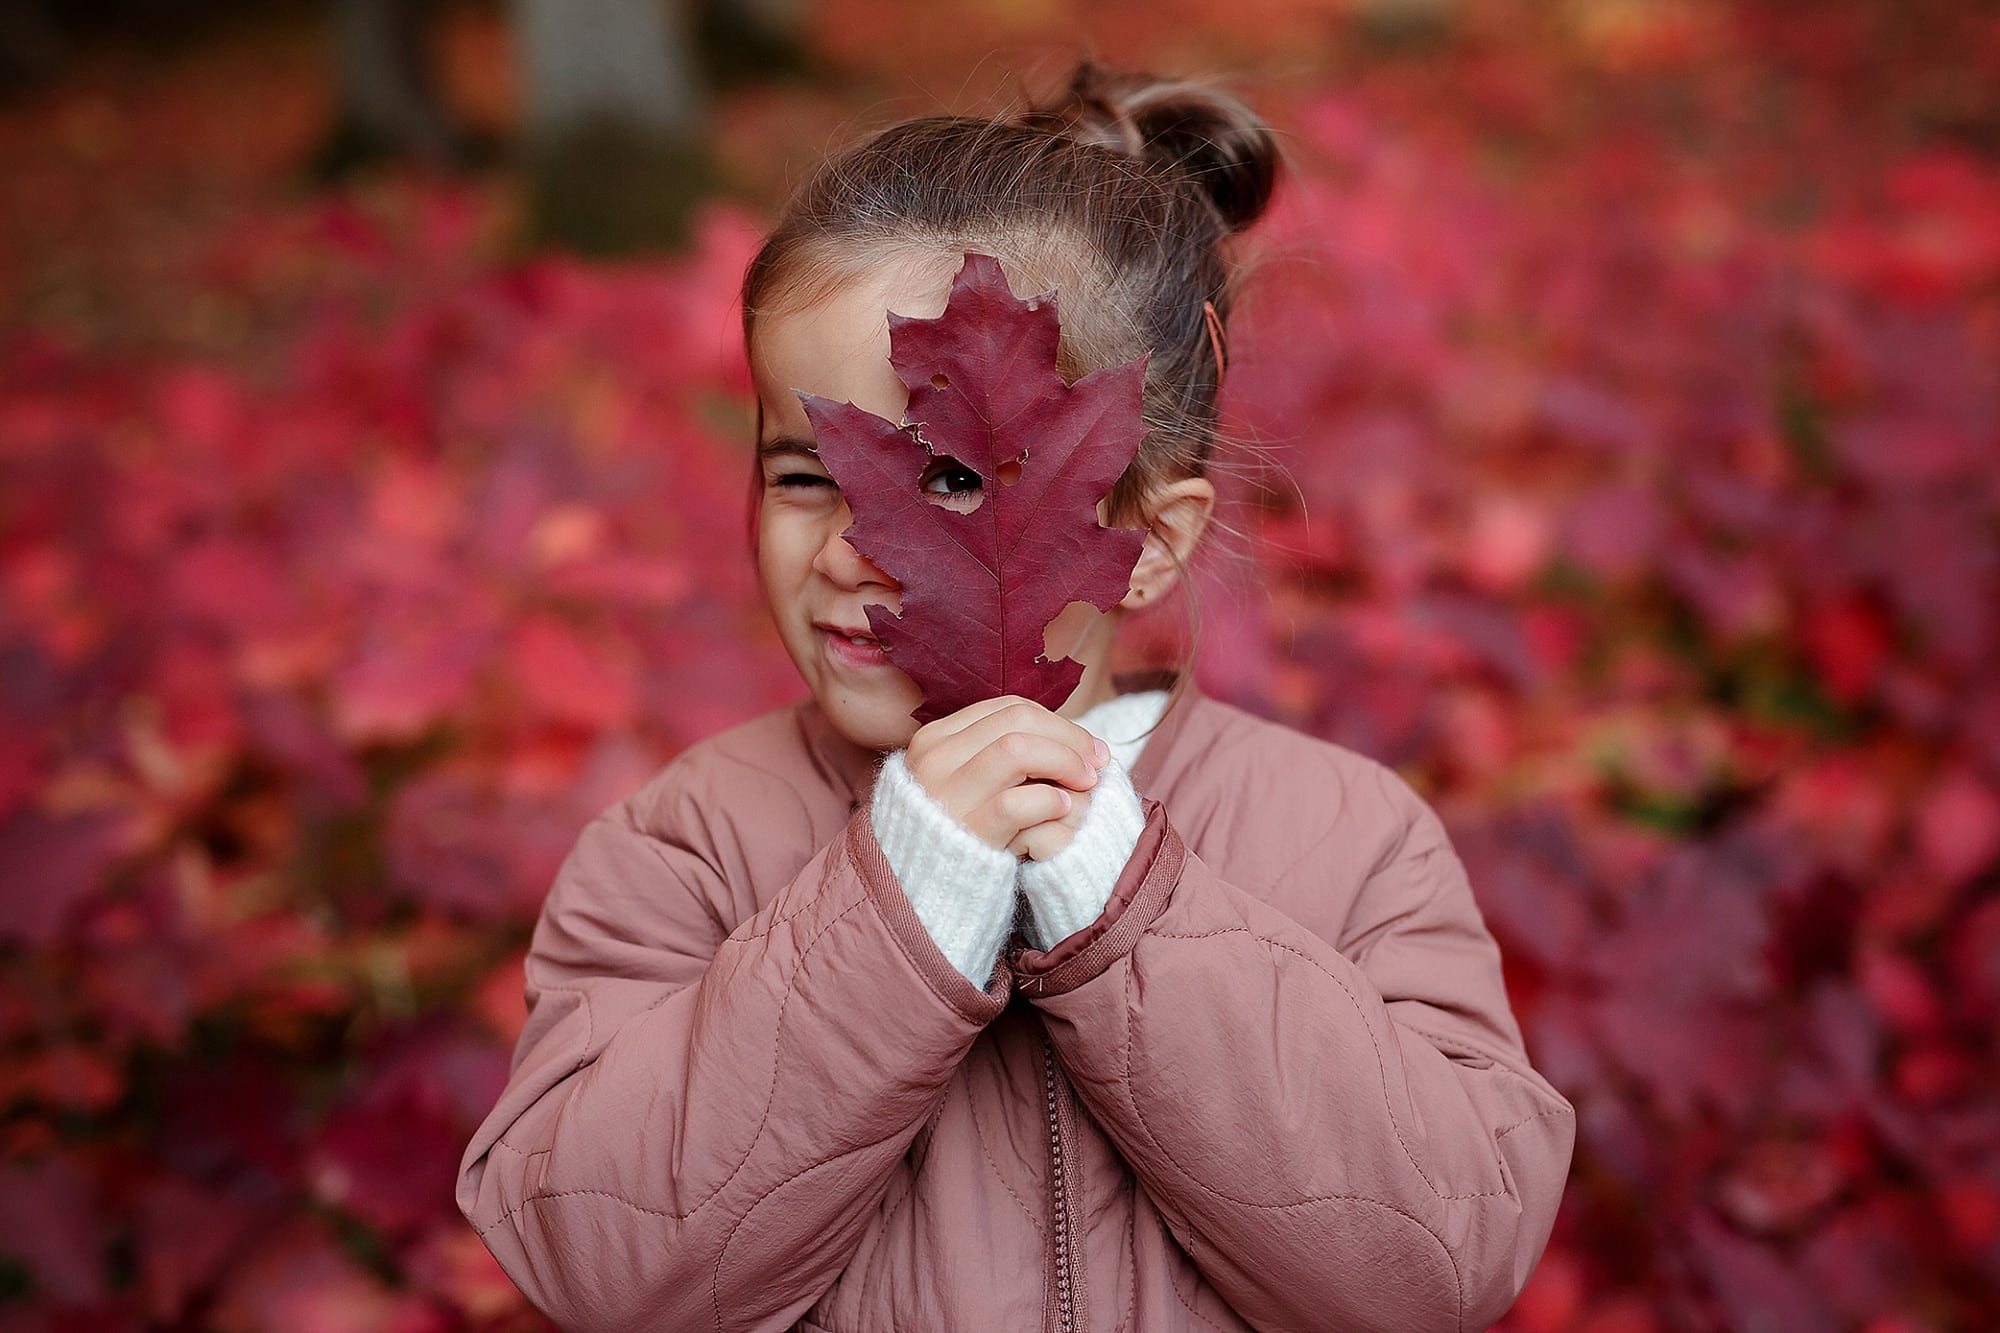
<point>851,768</point>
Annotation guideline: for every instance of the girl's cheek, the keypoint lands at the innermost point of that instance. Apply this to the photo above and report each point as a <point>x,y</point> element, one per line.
<point>785,548</point>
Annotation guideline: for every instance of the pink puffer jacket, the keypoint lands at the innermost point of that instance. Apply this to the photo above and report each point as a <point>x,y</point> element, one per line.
<point>1275,1086</point>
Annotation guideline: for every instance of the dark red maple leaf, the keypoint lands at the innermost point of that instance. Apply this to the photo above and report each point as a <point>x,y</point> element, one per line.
<point>981,584</point>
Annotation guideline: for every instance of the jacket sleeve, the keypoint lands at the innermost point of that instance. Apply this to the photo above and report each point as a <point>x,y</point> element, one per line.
<point>1339,1137</point>
<point>697,1128</point>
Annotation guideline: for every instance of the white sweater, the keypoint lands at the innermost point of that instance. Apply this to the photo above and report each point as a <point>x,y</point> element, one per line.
<point>966,892</point>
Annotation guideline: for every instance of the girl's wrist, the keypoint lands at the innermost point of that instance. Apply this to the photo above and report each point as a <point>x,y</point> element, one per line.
<point>1069,890</point>
<point>962,889</point>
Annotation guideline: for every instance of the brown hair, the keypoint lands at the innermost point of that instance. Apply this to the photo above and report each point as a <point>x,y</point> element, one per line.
<point>1120,192</point>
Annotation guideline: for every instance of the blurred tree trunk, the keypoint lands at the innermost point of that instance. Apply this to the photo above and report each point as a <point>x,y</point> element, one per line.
<point>1415,23</point>
<point>612,117</point>
<point>30,47</point>
<point>751,41</point>
<point>388,101</point>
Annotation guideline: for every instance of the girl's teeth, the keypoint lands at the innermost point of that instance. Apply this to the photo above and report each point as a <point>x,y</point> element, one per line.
<point>858,641</point>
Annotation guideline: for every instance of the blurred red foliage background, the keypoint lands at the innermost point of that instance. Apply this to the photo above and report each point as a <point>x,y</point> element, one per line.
<point>1619,394</point>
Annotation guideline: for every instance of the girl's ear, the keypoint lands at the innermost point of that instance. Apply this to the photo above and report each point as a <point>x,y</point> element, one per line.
<point>1181,510</point>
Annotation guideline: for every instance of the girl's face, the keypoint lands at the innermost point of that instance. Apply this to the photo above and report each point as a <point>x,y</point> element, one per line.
<point>814,582</point>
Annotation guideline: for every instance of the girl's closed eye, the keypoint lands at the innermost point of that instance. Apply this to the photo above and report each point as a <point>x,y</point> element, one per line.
<point>791,467</point>
<point>802,489</point>
<point>802,480</point>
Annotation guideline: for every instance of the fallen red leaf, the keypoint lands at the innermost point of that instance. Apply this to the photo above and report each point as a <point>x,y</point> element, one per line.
<point>564,676</point>
<point>981,584</point>
<point>185,1234</point>
<point>51,1228</point>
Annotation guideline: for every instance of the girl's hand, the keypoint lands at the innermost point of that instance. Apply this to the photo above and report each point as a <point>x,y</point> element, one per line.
<point>1042,841</point>
<point>1004,766</point>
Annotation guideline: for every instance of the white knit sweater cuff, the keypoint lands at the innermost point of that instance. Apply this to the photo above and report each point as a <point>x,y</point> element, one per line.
<point>1069,890</point>
<point>963,890</point>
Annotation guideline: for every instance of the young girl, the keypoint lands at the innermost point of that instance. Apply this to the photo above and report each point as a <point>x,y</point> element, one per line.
<point>1142,1014</point>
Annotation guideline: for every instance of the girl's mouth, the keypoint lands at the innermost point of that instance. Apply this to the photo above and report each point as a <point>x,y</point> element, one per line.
<point>858,650</point>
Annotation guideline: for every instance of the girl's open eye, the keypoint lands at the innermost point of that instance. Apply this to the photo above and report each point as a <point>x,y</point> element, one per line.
<point>953,484</point>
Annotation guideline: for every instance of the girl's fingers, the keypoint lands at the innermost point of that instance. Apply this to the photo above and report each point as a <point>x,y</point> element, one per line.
<point>1006,765</point>
<point>1039,842</point>
<point>953,723</point>
<point>1015,758</point>
<point>1017,781</point>
<point>998,821</point>
<point>937,749</point>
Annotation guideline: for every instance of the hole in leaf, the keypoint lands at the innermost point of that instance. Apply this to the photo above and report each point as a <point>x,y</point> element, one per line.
<point>940,380</point>
<point>1064,634</point>
<point>1008,472</point>
<point>950,484</point>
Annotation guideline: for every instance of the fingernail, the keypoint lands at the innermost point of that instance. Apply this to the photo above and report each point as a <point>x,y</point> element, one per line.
<point>1068,804</point>
<point>1103,751</point>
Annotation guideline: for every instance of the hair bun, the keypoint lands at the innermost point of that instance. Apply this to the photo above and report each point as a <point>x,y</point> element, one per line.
<point>1222,145</point>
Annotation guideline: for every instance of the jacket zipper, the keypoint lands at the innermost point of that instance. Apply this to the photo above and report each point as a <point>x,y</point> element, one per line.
<point>1068,1284</point>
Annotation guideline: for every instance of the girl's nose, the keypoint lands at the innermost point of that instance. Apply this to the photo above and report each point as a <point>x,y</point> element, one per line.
<point>838,561</point>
